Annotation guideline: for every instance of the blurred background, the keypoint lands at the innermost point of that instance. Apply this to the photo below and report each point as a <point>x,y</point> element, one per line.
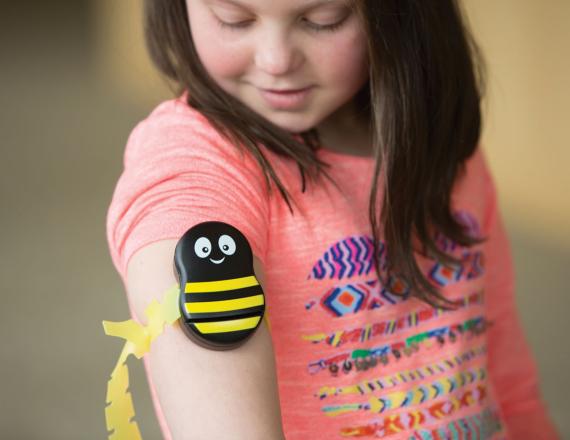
<point>74,81</point>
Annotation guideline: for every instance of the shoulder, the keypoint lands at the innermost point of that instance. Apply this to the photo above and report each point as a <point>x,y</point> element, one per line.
<point>178,171</point>
<point>173,128</point>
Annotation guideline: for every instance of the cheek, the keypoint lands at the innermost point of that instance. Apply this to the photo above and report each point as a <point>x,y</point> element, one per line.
<point>344,59</point>
<point>219,58</point>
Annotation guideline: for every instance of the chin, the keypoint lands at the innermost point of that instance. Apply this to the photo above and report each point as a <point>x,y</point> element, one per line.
<point>294,123</point>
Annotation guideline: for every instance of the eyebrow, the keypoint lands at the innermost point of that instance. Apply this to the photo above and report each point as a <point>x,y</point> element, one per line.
<point>305,7</point>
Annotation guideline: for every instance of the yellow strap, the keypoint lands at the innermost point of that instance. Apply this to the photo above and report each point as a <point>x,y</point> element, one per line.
<point>119,410</point>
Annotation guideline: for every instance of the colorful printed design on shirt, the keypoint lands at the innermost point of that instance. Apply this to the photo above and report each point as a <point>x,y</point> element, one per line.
<point>414,419</point>
<point>387,327</point>
<point>409,346</point>
<point>353,256</point>
<point>445,244</point>
<point>350,298</point>
<point>482,425</point>
<point>471,266</point>
<point>359,296</point>
<point>479,426</point>
<point>413,396</point>
<point>469,221</point>
<point>350,260</point>
<point>369,386</point>
<point>471,263</point>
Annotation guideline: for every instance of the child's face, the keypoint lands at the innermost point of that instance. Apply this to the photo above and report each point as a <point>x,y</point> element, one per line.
<point>278,48</point>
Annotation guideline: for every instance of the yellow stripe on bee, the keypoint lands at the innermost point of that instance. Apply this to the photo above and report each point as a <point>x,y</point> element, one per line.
<point>224,305</point>
<point>230,325</point>
<point>221,285</point>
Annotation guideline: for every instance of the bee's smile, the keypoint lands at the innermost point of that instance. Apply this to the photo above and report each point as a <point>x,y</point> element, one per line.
<point>218,261</point>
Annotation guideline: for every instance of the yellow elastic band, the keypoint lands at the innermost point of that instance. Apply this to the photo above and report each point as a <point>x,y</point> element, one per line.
<point>119,409</point>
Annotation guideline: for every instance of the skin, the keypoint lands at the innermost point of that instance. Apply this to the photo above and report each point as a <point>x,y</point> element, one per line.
<point>279,49</point>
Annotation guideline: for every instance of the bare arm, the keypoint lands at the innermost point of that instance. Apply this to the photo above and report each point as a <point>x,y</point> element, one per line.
<point>205,394</point>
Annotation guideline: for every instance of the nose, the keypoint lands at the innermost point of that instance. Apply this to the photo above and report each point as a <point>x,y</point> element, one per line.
<point>276,54</point>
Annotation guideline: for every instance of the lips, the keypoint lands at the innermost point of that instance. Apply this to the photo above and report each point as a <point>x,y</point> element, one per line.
<point>286,90</point>
<point>289,100</point>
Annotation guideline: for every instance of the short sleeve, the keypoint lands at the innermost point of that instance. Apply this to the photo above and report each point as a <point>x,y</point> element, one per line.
<point>178,172</point>
<point>512,367</point>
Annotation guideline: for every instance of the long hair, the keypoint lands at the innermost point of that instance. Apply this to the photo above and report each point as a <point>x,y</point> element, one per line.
<point>426,83</point>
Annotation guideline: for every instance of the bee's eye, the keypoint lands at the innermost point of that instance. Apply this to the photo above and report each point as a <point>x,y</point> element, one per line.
<point>227,244</point>
<point>202,247</point>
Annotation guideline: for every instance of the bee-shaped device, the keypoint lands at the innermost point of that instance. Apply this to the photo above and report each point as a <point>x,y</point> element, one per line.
<point>221,300</point>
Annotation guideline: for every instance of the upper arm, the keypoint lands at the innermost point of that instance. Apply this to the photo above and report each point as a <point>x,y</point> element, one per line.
<point>205,393</point>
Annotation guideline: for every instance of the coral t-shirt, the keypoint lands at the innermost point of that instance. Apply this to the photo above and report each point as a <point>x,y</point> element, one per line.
<point>355,357</point>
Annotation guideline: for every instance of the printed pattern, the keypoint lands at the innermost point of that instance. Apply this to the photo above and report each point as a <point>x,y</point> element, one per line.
<point>408,346</point>
<point>350,298</point>
<point>347,262</point>
<point>471,266</point>
<point>414,419</point>
<point>353,256</point>
<point>413,396</point>
<point>472,228</point>
<point>388,327</point>
<point>480,426</point>
<point>347,258</point>
<point>391,381</point>
<point>472,263</point>
<point>356,297</point>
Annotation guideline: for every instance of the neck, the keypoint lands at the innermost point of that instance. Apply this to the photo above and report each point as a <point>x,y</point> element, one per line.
<point>347,132</point>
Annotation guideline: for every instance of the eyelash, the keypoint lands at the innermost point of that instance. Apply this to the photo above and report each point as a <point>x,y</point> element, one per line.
<point>314,27</point>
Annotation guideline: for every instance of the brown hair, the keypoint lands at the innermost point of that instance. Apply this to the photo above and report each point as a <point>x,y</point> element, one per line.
<point>427,77</point>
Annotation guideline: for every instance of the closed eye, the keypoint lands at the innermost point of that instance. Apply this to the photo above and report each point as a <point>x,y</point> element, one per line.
<point>313,26</point>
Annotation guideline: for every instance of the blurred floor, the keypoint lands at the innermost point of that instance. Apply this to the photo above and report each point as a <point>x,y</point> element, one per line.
<point>63,133</point>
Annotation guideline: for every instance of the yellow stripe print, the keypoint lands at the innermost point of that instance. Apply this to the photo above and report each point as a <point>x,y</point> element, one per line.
<point>219,286</point>
<point>224,305</point>
<point>231,325</point>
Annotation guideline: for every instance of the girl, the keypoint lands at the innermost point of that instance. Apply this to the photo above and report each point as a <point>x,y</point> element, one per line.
<point>342,138</point>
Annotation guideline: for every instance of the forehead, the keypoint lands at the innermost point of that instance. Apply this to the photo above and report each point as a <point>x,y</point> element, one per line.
<point>284,6</point>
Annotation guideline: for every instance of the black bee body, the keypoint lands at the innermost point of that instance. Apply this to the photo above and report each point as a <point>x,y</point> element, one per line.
<point>221,300</point>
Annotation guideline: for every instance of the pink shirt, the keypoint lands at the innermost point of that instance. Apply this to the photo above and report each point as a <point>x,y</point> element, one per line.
<point>355,358</point>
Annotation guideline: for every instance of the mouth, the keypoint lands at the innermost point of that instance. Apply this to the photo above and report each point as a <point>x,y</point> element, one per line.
<point>286,90</point>
<point>286,100</point>
<point>217,261</point>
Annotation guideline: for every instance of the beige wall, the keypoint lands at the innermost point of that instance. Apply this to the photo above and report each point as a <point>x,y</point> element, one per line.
<point>527,133</point>
<point>121,58</point>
